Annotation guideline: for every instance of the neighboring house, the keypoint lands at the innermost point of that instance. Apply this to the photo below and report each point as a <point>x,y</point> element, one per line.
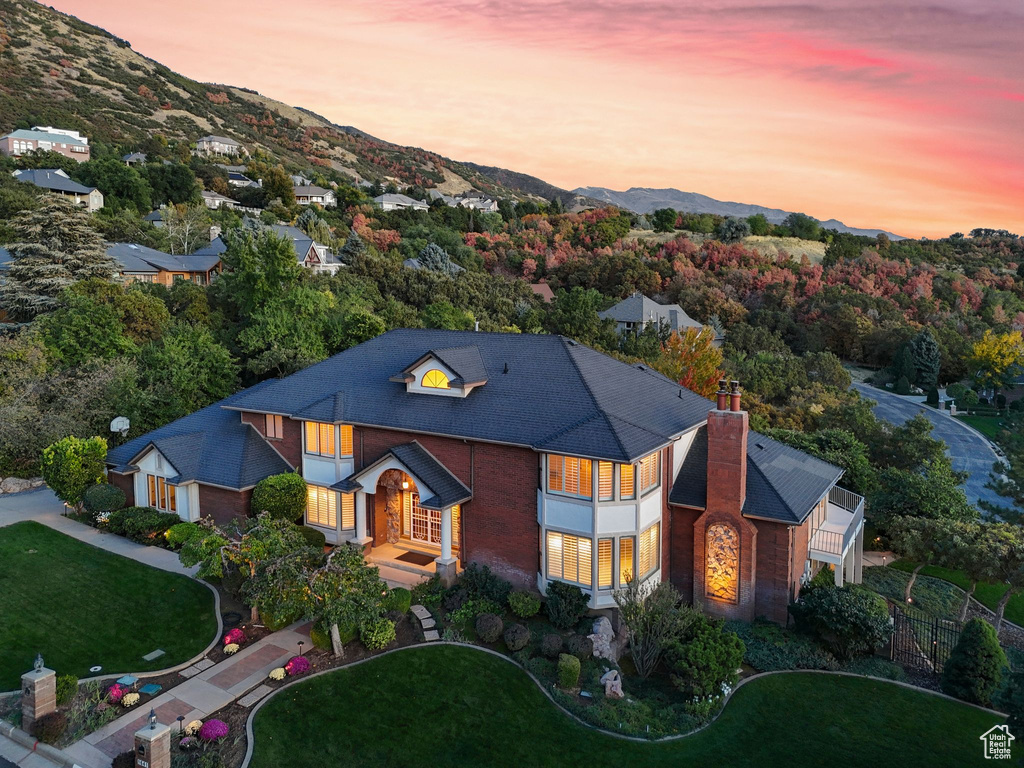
<point>237,179</point>
<point>543,290</point>
<point>59,183</point>
<point>486,205</point>
<point>219,145</point>
<point>134,158</point>
<point>137,263</point>
<point>390,202</point>
<point>532,454</point>
<point>310,193</point>
<point>68,143</point>
<point>308,252</point>
<point>448,200</point>
<point>213,200</point>
<point>156,218</point>
<point>301,181</point>
<point>633,314</point>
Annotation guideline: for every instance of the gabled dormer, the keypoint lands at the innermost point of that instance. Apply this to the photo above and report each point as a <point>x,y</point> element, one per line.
<point>450,372</point>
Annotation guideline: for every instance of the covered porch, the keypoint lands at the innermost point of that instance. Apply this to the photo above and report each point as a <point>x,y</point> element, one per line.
<point>838,538</point>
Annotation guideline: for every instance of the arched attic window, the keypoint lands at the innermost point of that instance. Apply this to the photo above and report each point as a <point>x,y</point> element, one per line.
<point>435,379</point>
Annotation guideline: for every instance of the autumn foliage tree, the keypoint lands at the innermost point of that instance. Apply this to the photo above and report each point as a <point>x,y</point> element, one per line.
<point>692,359</point>
<point>996,358</point>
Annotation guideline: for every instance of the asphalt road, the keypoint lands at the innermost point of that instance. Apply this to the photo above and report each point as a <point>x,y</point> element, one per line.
<point>968,451</point>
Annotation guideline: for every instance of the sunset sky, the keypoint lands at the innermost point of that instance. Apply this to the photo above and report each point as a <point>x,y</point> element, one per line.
<point>906,115</point>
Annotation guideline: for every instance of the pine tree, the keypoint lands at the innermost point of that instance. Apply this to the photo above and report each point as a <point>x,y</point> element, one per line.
<point>924,350</point>
<point>974,668</point>
<point>55,246</point>
<point>354,247</point>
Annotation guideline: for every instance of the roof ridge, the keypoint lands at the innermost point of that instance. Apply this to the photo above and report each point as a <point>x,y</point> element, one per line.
<point>590,392</point>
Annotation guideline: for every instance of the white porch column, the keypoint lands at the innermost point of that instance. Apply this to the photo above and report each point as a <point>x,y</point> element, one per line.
<point>839,573</point>
<point>445,564</point>
<point>849,562</point>
<point>858,571</point>
<point>360,536</point>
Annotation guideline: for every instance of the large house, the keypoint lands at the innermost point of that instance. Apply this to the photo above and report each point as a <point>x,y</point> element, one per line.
<point>532,454</point>
<point>137,263</point>
<point>309,252</point>
<point>394,202</point>
<point>306,194</point>
<point>219,145</point>
<point>214,200</point>
<point>57,182</point>
<point>44,137</point>
<point>633,314</point>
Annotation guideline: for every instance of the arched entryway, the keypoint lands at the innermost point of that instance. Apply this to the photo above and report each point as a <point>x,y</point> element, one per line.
<point>401,519</point>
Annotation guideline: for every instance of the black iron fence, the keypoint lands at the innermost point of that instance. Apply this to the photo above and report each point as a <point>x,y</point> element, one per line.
<point>922,642</point>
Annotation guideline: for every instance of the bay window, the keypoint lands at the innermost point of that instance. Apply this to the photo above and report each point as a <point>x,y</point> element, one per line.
<point>625,560</point>
<point>627,482</point>
<point>320,439</point>
<point>348,511</point>
<point>650,546</point>
<point>605,481</point>
<point>569,558</point>
<point>570,476</point>
<point>321,507</point>
<point>649,475</point>
<point>604,563</point>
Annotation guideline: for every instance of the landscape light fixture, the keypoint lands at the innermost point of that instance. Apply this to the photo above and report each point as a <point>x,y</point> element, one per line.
<point>181,719</point>
<point>301,643</point>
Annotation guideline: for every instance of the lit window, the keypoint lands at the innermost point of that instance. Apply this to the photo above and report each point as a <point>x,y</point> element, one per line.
<point>346,439</point>
<point>604,563</point>
<point>319,438</point>
<point>435,379</point>
<point>275,426</point>
<point>605,481</point>
<point>568,558</point>
<point>162,495</point>
<point>649,472</point>
<point>649,551</point>
<point>456,521</point>
<point>321,507</point>
<point>625,560</point>
<point>627,481</point>
<point>348,510</point>
<point>571,476</point>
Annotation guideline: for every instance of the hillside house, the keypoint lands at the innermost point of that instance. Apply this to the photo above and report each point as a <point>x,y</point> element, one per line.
<point>307,194</point>
<point>133,159</point>
<point>214,200</point>
<point>633,314</point>
<point>137,263</point>
<point>219,145</point>
<point>57,182</point>
<point>395,202</point>
<point>238,179</point>
<point>532,454</point>
<point>68,143</point>
<point>309,253</point>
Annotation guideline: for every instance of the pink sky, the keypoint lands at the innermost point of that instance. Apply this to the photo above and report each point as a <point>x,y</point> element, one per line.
<point>906,115</point>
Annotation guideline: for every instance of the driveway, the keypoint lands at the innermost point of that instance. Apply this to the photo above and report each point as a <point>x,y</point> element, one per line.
<point>969,451</point>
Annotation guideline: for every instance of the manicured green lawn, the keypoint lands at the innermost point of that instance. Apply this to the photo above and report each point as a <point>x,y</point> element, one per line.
<point>934,596</point>
<point>987,594</point>
<point>81,606</point>
<point>445,705</point>
<point>987,425</point>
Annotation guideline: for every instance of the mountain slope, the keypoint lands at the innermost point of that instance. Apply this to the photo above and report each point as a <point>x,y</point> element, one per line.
<point>534,187</point>
<point>645,200</point>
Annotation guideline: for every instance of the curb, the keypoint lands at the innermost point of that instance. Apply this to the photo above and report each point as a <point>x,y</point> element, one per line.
<point>23,739</point>
<point>250,737</point>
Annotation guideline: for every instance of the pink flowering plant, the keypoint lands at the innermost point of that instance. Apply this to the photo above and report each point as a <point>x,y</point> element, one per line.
<point>297,665</point>
<point>116,692</point>
<point>234,636</point>
<point>213,730</point>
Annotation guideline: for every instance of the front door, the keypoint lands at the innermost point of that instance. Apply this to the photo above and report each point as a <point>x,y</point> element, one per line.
<point>423,526</point>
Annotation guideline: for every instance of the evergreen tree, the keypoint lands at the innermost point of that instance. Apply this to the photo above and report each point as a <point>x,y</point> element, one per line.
<point>926,356</point>
<point>55,247</point>
<point>354,248</point>
<point>436,259</point>
<point>975,666</point>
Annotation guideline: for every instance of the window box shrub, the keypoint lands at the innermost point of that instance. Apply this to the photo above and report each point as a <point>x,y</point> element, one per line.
<point>566,604</point>
<point>517,637</point>
<point>523,604</point>
<point>568,672</point>
<point>489,627</point>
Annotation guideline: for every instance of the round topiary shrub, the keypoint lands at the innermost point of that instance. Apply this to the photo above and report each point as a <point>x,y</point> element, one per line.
<point>67,687</point>
<point>313,537</point>
<point>975,667</point>
<point>551,645</point>
<point>377,634</point>
<point>179,533</point>
<point>568,671</point>
<point>566,604</point>
<point>523,604</point>
<point>580,646</point>
<point>102,498</point>
<point>517,637</point>
<point>489,627</point>
<point>398,599</point>
<point>705,659</point>
<point>282,496</point>
<point>51,727</point>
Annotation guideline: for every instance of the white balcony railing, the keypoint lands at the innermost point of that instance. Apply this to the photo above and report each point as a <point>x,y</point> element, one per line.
<point>844,515</point>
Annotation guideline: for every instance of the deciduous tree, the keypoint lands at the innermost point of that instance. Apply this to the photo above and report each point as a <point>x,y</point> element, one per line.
<point>692,359</point>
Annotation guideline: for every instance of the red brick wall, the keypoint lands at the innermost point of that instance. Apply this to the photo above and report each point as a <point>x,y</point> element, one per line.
<point>289,446</point>
<point>727,460</point>
<point>681,522</point>
<point>126,483</point>
<point>223,505</point>
<point>499,525</point>
<point>749,581</point>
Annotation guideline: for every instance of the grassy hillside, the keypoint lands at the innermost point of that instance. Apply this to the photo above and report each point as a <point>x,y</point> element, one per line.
<point>58,70</point>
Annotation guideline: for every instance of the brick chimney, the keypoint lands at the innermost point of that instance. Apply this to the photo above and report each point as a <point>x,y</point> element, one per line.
<point>727,451</point>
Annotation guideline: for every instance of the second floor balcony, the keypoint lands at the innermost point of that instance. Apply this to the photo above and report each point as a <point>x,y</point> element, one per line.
<point>836,533</point>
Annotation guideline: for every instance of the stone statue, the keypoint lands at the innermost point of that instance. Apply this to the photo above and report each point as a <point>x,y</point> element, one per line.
<point>612,682</point>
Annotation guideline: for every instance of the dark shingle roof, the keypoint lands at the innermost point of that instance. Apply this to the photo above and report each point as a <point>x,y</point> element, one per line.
<point>556,395</point>
<point>445,486</point>
<point>783,483</point>
<point>211,445</point>
<point>53,179</point>
<point>464,362</point>
<point>129,256</point>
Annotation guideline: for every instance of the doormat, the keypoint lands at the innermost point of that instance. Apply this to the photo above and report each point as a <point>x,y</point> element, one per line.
<point>416,558</point>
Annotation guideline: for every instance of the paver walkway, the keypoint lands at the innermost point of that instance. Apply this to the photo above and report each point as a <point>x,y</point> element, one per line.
<point>201,694</point>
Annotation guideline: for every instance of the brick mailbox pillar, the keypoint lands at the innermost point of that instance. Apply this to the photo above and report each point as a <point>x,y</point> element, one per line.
<point>153,745</point>
<point>38,695</point>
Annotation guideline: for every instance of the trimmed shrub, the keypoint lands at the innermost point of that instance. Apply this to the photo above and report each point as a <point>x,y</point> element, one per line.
<point>278,618</point>
<point>377,634</point>
<point>580,646</point>
<point>903,386</point>
<point>398,599</point>
<point>454,598</point>
<point>320,638</point>
<point>706,659</point>
<point>102,498</point>
<point>523,604</point>
<point>141,524</point>
<point>49,728</point>
<point>283,496</point>
<point>517,637</point>
<point>479,582</point>
<point>955,391</point>
<point>850,621</point>
<point>489,627</point>
<point>975,667</point>
<point>124,760</point>
<point>551,645</point>
<point>825,577</point>
<point>313,537</point>
<point>568,671</point>
<point>933,396</point>
<point>179,533</point>
<point>770,647</point>
<point>566,604</point>
<point>67,687</point>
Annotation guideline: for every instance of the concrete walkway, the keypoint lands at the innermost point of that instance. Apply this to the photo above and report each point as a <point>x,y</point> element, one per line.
<point>206,690</point>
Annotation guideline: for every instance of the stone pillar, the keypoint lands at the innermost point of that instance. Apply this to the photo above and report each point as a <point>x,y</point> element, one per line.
<point>38,696</point>
<point>360,536</point>
<point>153,746</point>
<point>445,564</point>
